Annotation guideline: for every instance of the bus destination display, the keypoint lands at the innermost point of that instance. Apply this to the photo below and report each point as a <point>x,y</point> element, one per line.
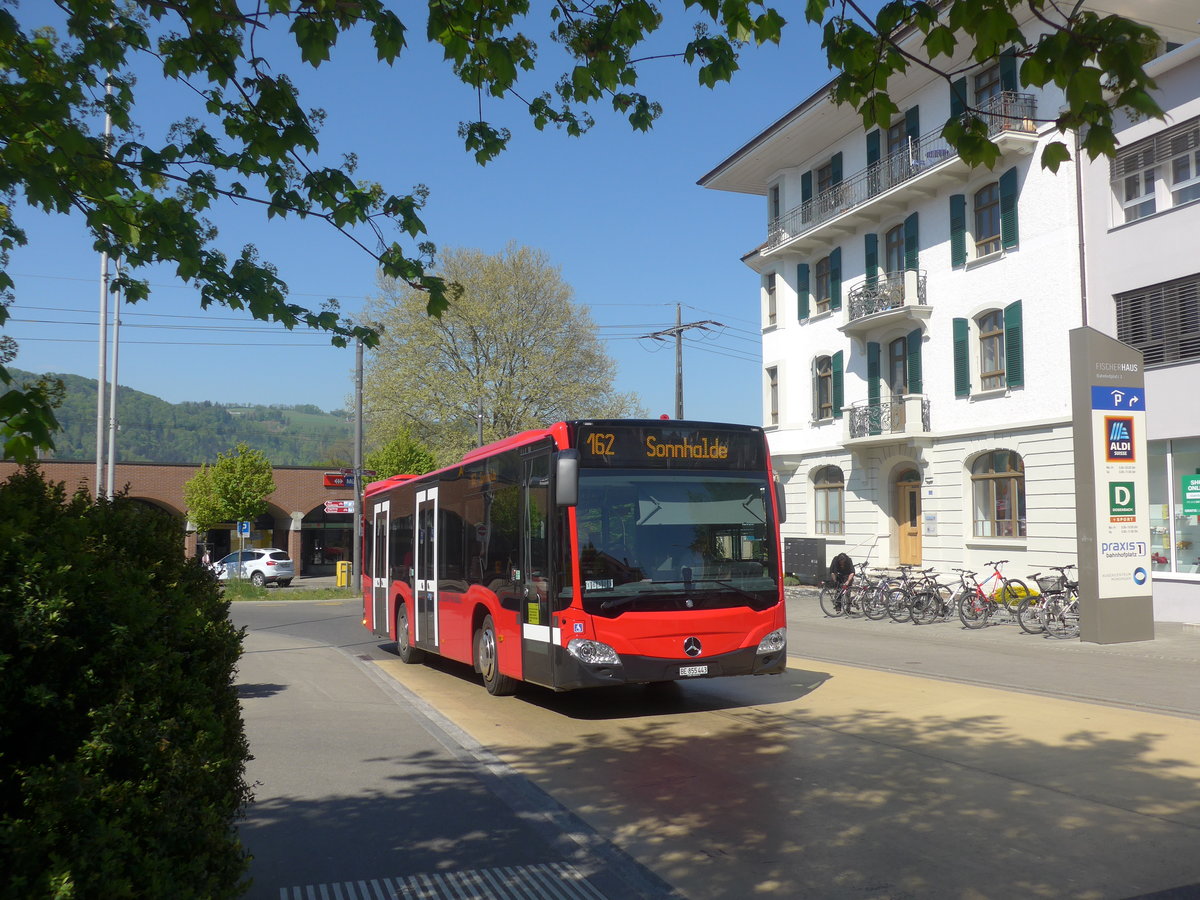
<point>605,444</point>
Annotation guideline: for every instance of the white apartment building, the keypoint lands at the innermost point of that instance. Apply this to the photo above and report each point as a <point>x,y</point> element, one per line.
<point>915,316</point>
<point>1142,246</point>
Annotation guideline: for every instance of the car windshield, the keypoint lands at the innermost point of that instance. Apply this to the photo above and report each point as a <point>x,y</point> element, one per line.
<point>675,540</point>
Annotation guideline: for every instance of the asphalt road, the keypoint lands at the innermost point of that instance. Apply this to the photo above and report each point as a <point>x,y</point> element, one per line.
<point>890,761</point>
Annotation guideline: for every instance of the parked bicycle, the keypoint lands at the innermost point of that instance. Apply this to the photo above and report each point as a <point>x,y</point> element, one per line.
<point>903,596</point>
<point>1031,612</point>
<point>977,606</point>
<point>1061,612</point>
<point>933,602</point>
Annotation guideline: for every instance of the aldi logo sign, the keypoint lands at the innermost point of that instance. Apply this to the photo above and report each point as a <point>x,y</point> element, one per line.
<point>1121,507</point>
<point>1119,438</point>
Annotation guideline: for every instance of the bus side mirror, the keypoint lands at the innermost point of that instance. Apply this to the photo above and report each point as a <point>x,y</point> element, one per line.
<point>780,502</point>
<point>566,480</point>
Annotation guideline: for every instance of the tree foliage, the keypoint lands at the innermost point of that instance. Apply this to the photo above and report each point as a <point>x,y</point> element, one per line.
<point>403,455</point>
<point>248,140</point>
<point>1098,61</point>
<point>514,349</point>
<point>233,489</point>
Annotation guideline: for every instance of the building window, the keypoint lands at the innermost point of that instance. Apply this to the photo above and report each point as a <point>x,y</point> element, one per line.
<point>998,491</point>
<point>825,178</point>
<point>987,220</point>
<point>1163,320</point>
<point>893,250</point>
<point>1185,176</point>
<point>991,350</point>
<point>829,485</point>
<point>987,85</point>
<point>772,396</point>
<point>775,208</point>
<point>898,368</point>
<point>823,284</point>
<point>823,387</point>
<point>1137,194</point>
<point>771,308</point>
<point>1174,469</point>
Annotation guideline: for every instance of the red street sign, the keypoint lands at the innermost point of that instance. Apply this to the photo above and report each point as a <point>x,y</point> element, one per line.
<point>339,506</point>
<point>333,479</point>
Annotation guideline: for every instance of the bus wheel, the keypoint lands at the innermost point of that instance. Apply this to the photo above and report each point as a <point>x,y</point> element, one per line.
<point>404,648</point>
<point>486,662</point>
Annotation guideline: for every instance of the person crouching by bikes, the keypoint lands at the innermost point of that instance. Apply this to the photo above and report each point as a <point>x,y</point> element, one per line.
<point>841,571</point>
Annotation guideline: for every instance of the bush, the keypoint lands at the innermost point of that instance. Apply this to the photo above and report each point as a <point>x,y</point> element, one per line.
<point>122,750</point>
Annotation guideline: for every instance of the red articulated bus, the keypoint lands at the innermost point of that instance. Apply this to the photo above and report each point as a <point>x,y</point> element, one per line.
<point>584,554</point>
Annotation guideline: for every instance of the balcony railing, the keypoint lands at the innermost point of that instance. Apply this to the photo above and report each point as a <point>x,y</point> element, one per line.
<point>885,292</point>
<point>867,420</point>
<point>1007,111</point>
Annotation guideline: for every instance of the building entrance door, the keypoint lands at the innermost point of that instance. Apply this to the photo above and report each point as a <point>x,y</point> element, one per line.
<point>908,518</point>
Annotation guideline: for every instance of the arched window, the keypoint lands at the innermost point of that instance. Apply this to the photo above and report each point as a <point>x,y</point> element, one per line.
<point>829,485</point>
<point>998,491</point>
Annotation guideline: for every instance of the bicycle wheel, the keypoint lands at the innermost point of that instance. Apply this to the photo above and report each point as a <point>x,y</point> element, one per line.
<point>1030,613</point>
<point>1062,618</point>
<point>874,603</point>
<point>974,610</point>
<point>1010,595</point>
<point>852,603</point>
<point>925,608</point>
<point>899,604</point>
<point>832,601</point>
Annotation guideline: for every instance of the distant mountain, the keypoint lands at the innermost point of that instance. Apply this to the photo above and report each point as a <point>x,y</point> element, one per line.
<point>153,430</point>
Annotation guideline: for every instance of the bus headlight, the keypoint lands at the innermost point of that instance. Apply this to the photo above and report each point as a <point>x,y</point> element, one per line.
<point>593,652</point>
<point>773,642</point>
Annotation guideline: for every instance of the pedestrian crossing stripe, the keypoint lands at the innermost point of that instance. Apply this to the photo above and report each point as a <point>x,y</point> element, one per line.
<point>547,881</point>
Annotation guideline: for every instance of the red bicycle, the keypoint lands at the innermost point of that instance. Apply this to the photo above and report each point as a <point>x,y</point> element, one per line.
<point>976,606</point>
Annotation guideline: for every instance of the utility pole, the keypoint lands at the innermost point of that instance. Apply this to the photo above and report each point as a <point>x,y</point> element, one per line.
<point>102,373</point>
<point>677,333</point>
<point>356,566</point>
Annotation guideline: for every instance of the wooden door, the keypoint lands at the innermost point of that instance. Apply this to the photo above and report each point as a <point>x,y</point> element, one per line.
<point>908,507</point>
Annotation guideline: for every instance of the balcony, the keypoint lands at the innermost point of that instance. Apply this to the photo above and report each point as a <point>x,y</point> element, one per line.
<point>897,297</point>
<point>900,417</point>
<point>865,196</point>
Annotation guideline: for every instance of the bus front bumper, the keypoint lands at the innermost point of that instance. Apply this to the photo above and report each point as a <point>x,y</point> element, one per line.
<point>571,673</point>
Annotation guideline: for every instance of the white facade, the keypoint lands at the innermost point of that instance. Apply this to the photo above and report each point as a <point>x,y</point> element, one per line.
<point>879,358</point>
<point>1143,287</point>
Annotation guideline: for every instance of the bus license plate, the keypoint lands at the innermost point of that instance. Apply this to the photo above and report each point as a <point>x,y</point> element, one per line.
<point>685,671</point>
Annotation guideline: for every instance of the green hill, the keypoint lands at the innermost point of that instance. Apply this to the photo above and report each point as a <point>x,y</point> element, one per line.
<point>152,430</point>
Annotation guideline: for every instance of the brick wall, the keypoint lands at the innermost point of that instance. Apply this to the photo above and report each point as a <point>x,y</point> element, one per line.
<point>298,491</point>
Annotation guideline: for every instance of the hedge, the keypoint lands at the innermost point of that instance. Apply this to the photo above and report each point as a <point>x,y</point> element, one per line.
<point>122,749</point>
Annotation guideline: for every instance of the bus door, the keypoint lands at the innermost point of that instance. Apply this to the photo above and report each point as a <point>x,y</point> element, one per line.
<point>425,565</point>
<point>537,625</point>
<point>380,582</point>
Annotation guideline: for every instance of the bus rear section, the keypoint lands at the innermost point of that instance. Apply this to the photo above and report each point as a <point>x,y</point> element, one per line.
<point>588,554</point>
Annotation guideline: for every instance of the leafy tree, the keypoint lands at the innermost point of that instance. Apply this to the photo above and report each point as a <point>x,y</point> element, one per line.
<point>234,488</point>
<point>403,455</point>
<point>249,140</point>
<point>513,349</point>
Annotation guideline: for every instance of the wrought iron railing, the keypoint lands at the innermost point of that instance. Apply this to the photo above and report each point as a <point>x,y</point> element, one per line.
<point>881,293</point>
<point>884,418</point>
<point>1007,111</point>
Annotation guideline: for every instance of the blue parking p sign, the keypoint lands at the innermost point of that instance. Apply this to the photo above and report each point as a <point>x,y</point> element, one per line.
<point>244,529</point>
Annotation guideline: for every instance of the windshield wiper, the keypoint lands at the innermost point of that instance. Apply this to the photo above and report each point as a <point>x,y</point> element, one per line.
<point>732,587</point>
<point>614,602</point>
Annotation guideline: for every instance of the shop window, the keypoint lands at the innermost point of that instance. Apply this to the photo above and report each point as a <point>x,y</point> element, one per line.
<point>998,494</point>
<point>829,485</point>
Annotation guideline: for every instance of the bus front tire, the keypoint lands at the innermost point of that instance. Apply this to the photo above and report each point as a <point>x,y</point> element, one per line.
<point>404,648</point>
<point>487,662</point>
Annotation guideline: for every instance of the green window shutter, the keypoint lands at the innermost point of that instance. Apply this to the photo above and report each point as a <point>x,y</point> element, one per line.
<point>911,256</point>
<point>871,254</point>
<point>873,382</point>
<point>1008,70</point>
<point>912,123</point>
<point>835,168</point>
<point>806,187</point>
<point>1008,209</point>
<point>962,359</point>
<point>958,230</point>
<point>1014,351</point>
<point>838,393</point>
<point>958,98</point>
<point>835,278</point>
<point>872,147</point>
<point>802,291</point>
<point>914,362</point>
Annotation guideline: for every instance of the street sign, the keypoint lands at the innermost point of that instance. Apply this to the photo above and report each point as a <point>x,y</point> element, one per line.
<point>338,507</point>
<point>339,480</point>
<point>243,529</point>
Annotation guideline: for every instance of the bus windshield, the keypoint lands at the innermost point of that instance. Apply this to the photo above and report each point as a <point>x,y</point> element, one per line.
<point>674,540</point>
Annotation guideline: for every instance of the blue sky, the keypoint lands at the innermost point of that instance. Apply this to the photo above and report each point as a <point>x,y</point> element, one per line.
<point>618,211</point>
